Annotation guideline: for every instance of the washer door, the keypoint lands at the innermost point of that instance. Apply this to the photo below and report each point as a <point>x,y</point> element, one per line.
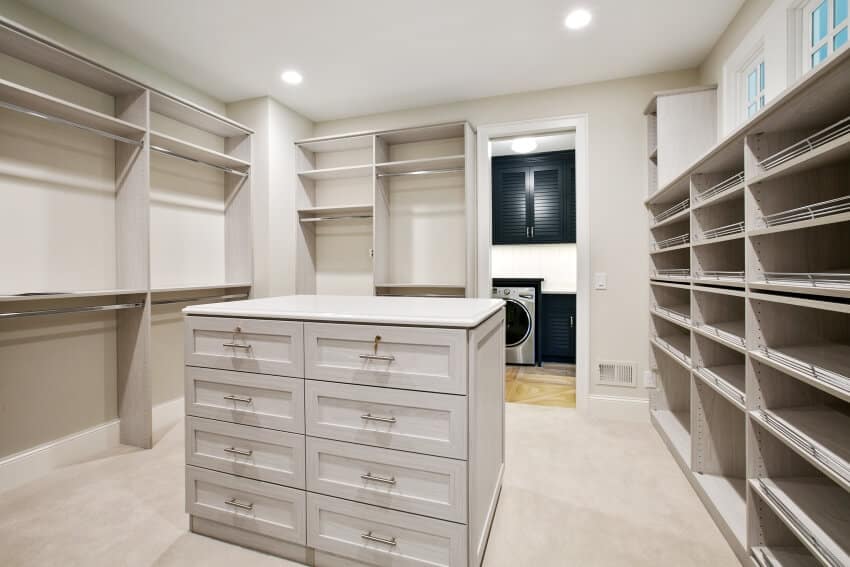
<point>517,323</point>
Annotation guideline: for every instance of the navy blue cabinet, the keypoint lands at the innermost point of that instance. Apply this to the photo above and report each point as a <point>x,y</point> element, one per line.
<point>559,327</point>
<point>534,198</point>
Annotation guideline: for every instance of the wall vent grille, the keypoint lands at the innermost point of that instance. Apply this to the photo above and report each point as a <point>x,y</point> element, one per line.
<point>613,373</point>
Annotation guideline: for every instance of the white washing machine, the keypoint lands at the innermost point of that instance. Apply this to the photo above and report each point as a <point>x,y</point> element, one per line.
<point>519,323</point>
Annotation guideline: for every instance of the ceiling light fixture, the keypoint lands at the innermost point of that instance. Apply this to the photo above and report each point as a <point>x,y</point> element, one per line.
<point>291,77</point>
<point>524,145</point>
<point>578,19</point>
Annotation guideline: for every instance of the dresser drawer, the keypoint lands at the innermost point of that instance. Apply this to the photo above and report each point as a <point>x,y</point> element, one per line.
<point>382,537</point>
<point>253,452</point>
<point>420,484</point>
<point>422,422</point>
<point>275,402</point>
<point>259,507</point>
<point>247,345</point>
<point>432,360</point>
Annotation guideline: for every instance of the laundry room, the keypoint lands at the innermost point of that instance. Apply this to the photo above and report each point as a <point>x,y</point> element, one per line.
<point>534,263</point>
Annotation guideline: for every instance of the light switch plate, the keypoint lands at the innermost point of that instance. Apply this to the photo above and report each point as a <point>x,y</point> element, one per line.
<point>600,280</point>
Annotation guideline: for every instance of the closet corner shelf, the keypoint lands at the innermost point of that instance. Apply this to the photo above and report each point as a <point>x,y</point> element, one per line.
<point>198,153</point>
<point>816,510</point>
<point>23,99</point>
<point>819,434</point>
<point>425,164</point>
<point>728,497</point>
<point>674,434</point>
<point>347,172</point>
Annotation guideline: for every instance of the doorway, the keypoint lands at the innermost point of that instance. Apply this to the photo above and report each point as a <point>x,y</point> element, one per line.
<point>533,250</point>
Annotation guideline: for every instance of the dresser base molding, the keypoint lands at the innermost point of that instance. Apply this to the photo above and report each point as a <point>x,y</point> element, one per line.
<point>251,540</point>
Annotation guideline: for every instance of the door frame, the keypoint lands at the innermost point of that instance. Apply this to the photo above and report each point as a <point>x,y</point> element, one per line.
<point>579,124</point>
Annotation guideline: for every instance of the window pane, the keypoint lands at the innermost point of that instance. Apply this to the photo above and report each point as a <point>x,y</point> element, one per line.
<point>839,12</point>
<point>761,76</point>
<point>819,55</point>
<point>752,79</point>
<point>820,24</point>
<point>751,110</point>
<point>840,39</point>
<point>761,101</point>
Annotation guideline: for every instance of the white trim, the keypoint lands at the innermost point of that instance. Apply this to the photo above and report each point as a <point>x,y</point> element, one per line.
<point>579,123</point>
<point>622,409</point>
<point>28,465</point>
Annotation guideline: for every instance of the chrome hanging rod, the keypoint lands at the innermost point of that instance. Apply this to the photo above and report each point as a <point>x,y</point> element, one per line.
<point>88,309</point>
<point>205,298</point>
<point>340,217</point>
<point>56,119</point>
<point>423,172</point>
<point>193,160</point>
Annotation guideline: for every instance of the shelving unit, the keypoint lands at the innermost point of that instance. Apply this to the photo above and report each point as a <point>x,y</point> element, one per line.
<point>117,186</point>
<point>767,273</point>
<point>401,203</point>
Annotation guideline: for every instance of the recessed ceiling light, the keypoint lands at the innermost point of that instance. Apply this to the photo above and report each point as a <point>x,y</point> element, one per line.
<point>291,77</point>
<point>578,19</point>
<point>524,145</point>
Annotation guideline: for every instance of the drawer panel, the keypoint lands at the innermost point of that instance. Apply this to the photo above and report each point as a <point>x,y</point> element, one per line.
<point>422,422</point>
<point>420,484</point>
<point>247,345</point>
<point>382,537</point>
<point>275,402</point>
<point>432,360</point>
<point>253,452</point>
<point>259,507</point>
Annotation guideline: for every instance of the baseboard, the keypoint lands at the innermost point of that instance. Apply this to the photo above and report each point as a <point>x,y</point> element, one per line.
<point>79,447</point>
<point>31,464</point>
<point>615,407</point>
<point>165,416</point>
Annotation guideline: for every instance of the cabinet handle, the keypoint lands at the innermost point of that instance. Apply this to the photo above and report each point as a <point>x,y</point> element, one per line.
<point>572,322</point>
<point>235,398</point>
<point>527,233</point>
<point>370,417</point>
<point>368,536</point>
<point>532,232</point>
<point>235,451</point>
<point>236,345</point>
<point>385,480</point>
<point>238,504</point>
<point>387,357</point>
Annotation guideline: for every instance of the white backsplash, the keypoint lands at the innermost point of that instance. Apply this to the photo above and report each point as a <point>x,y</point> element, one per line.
<point>556,263</point>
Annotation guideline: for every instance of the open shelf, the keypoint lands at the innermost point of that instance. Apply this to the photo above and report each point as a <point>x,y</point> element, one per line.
<point>674,429</point>
<point>333,144</point>
<point>421,166</point>
<point>340,212</point>
<point>57,296</point>
<point>813,508</point>
<point>783,557</point>
<point>809,343</point>
<point>672,304</point>
<point>673,338</point>
<point>198,153</point>
<point>728,496</point>
<point>713,189</point>
<point>194,116</point>
<point>721,317</point>
<point>205,287</point>
<point>721,368</point>
<point>31,101</point>
<point>720,263</point>
<point>773,544</point>
<point>670,403</point>
<point>344,172</point>
<point>423,289</point>
<point>668,213</point>
<point>825,147</point>
<point>719,220</point>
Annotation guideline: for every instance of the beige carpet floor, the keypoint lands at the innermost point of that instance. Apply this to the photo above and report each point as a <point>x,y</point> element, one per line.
<point>577,492</point>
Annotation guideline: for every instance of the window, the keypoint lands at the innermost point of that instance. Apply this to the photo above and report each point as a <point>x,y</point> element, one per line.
<point>751,85</point>
<point>825,25</point>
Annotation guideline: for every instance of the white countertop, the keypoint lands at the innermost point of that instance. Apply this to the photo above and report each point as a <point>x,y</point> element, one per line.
<point>428,311</point>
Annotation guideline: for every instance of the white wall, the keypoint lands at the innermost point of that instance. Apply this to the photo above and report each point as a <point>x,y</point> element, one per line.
<point>618,243</point>
<point>555,263</point>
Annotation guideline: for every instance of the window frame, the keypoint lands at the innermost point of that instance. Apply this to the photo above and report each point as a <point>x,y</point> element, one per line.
<point>755,62</point>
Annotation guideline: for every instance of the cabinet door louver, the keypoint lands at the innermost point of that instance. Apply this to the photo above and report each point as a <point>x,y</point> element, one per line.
<point>549,195</point>
<point>510,197</point>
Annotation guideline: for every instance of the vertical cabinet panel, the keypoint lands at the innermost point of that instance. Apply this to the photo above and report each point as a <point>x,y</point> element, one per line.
<point>559,327</point>
<point>510,200</point>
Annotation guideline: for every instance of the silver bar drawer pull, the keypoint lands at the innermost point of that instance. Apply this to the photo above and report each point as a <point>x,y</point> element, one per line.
<point>385,480</point>
<point>235,451</point>
<point>235,398</point>
<point>370,417</point>
<point>238,504</point>
<point>368,536</point>
<point>236,345</point>
<point>386,357</point>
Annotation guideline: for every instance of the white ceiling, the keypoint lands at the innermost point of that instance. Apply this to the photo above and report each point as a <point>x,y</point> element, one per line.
<point>369,56</point>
